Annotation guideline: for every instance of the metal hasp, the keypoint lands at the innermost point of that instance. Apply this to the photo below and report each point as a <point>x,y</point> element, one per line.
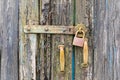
<point>71,30</point>
<point>49,29</point>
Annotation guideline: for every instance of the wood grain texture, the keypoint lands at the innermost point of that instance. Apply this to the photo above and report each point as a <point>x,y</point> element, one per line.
<point>107,40</point>
<point>84,15</point>
<point>28,42</point>
<point>44,43</point>
<point>61,16</point>
<point>0,42</point>
<point>9,38</point>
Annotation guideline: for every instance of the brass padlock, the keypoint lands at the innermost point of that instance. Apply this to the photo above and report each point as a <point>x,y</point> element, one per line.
<point>79,41</point>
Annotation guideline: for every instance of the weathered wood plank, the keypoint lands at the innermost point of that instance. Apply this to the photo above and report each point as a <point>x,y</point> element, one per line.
<point>22,22</point>
<point>0,43</point>
<point>33,48</point>
<point>45,42</point>
<point>42,59</point>
<point>9,36</point>
<point>28,42</point>
<point>61,16</point>
<point>83,15</point>
<point>107,40</point>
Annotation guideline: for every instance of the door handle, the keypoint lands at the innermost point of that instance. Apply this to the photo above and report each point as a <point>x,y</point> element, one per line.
<point>62,58</point>
<point>85,54</point>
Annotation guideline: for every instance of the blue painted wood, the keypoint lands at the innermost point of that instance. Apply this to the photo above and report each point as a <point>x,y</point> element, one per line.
<point>107,40</point>
<point>9,35</point>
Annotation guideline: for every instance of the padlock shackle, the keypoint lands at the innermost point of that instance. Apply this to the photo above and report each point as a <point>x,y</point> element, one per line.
<point>79,31</point>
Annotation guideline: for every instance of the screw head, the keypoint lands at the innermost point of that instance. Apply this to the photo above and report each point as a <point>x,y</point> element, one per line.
<point>46,29</point>
<point>28,28</point>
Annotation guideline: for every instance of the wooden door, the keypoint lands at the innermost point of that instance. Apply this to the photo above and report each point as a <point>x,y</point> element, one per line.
<point>39,53</point>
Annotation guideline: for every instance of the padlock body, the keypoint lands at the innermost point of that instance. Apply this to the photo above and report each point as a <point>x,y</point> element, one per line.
<point>78,41</point>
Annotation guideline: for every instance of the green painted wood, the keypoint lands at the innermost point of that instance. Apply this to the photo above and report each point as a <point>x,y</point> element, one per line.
<point>107,40</point>
<point>9,39</point>
<point>28,42</point>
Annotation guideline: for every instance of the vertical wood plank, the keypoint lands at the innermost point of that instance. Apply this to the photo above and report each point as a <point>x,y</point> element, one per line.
<point>9,36</point>
<point>84,15</point>
<point>28,42</point>
<point>33,48</point>
<point>42,74</point>
<point>107,40</point>
<point>61,16</point>
<point>22,22</point>
<point>45,42</point>
<point>0,42</point>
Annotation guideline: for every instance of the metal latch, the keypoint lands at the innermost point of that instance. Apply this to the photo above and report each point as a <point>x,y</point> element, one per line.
<point>49,29</point>
<point>52,29</point>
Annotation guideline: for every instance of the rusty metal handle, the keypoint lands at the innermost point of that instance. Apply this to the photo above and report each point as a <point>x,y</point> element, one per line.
<point>62,58</point>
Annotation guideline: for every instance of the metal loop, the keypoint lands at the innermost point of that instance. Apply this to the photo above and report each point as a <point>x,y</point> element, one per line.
<point>80,31</point>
